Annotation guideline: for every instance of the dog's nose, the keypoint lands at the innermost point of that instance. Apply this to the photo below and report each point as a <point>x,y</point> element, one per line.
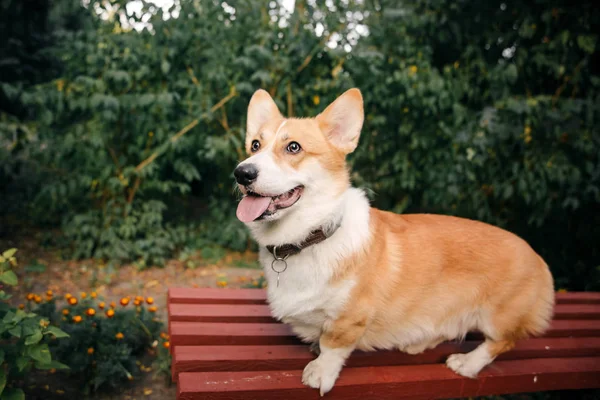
<point>245,174</point>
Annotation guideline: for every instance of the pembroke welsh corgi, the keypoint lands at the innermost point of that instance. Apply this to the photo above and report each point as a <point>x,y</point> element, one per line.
<point>347,276</point>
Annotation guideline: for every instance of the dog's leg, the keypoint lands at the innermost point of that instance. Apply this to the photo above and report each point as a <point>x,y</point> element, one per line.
<point>315,349</point>
<point>337,341</point>
<point>471,363</point>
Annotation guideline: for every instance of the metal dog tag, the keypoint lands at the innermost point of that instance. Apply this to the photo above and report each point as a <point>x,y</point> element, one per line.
<point>278,264</point>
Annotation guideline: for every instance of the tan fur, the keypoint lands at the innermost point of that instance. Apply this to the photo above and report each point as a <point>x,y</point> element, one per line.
<point>433,267</point>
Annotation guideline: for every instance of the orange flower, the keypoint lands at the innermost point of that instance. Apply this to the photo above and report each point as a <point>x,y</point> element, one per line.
<point>137,302</point>
<point>93,295</point>
<point>72,301</point>
<point>90,351</point>
<point>48,298</point>
<point>21,306</point>
<point>49,293</point>
<point>77,319</point>
<point>110,313</point>
<point>37,299</point>
<point>30,296</point>
<point>113,304</point>
<point>119,336</point>
<point>83,295</point>
<point>149,300</point>
<point>139,298</point>
<point>166,345</point>
<point>101,305</point>
<point>68,296</point>
<point>90,312</point>
<point>124,301</point>
<point>164,335</point>
<point>152,309</point>
<point>65,311</point>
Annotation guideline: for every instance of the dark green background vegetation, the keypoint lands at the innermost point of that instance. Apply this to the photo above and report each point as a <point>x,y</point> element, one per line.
<point>125,139</point>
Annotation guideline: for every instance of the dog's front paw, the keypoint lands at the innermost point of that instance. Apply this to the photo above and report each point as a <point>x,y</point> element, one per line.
<point>319,375</point>
<point>462,365</point>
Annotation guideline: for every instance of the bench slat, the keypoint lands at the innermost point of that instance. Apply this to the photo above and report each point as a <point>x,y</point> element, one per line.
<point>258,296</point>
<point>216,296</point>
<point>396,382</point>
<point>224,313</point>
<point>209,333</point>
<point>261,313</point>
<point>268,358</point>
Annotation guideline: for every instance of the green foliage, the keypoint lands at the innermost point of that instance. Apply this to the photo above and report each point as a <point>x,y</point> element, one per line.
<point>106,342</point>
<point>24,336</point>
<point>487,110</point>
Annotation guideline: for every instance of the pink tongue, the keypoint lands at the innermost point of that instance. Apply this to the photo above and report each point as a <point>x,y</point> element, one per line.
<point>252,207</point>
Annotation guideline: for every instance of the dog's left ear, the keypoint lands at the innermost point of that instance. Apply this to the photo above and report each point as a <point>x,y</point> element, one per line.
<point>342,120</point>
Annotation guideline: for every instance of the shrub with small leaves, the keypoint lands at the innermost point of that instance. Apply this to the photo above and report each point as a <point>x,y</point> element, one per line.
<point>24,336</point>
<point>107,340</point>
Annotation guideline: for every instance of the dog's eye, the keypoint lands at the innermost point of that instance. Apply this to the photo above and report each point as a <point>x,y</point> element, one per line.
<point>255,145</point>
<point>293,148</point>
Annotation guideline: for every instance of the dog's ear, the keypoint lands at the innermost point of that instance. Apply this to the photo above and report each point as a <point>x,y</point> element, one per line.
<point>342,120</point>
<point>261,109</point>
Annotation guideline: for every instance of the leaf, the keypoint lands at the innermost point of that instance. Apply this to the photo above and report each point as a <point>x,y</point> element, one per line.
<point>9,278</point>
<point>165,66</point>
<point>51,365</point>
<point>2,379</point>
<point>9,253</point>
<point>1,356</point>
<point>13,394</point>
<point>16,331</point>
<point>21,363</point>
<point>33,339</point>
<point>586,43</point>
<point>57,332</point>
<point>40,353</point>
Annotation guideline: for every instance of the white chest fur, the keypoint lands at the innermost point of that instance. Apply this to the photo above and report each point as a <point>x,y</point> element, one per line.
<point>305,299</point>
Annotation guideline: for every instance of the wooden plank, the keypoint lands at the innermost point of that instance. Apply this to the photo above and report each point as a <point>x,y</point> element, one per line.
<point>269,358</point>
<point>209,333</point>
<point>578,298</point>
<point>216,296</point>
<point>262,313</point>
<point>398,382</point>
<point>258,296</point>
<point>574,328</point>
<point>222,313</point>
<point>577,311</point>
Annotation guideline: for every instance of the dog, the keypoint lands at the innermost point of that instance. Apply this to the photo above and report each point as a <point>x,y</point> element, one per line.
<point>346,276</point>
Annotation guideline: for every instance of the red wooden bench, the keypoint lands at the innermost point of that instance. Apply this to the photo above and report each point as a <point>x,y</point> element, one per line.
<point>225,345</point>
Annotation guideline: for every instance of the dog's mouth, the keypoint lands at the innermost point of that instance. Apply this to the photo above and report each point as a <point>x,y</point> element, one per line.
<point>254,206</point>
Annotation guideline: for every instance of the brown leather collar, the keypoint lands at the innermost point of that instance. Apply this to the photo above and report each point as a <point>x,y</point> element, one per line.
<point>317,236</point>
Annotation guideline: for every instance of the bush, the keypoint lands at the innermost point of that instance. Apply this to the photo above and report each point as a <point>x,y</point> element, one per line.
<point>487,110</point>
<point>25,337</point>
<point>107,341</point>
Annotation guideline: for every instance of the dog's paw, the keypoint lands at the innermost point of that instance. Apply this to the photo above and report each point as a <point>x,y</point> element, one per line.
<point>319,375</point>
<point>463,365</point>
